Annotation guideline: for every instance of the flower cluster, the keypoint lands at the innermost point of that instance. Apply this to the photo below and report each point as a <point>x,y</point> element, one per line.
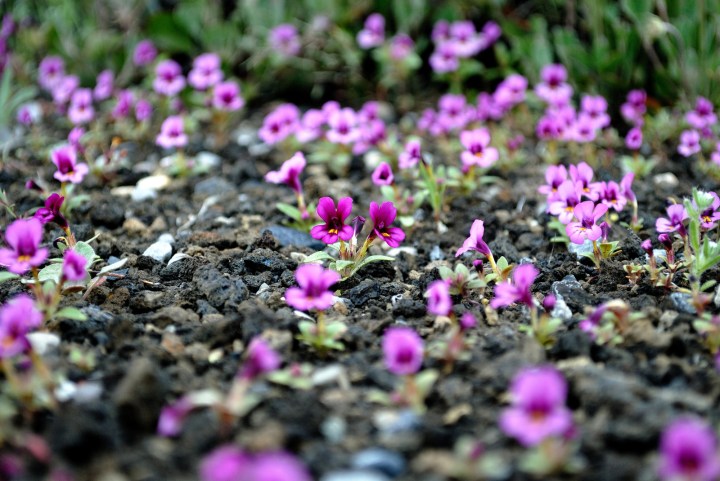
<point>459,40</point>
<point>702,121</point>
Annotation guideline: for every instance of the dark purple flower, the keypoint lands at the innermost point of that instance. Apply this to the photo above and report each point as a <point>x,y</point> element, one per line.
<point>17,318</point>
<point>334,227</point>
<point>475,242</point>
<point>260,359</point>
<point>439,302</point>
<point>313,292</point>
<point>507,293</point>
<point>676,215</point>
<point>51,211</point>
<point>144,53</point>
<point>538,408</point>
<point>382,217</point>
<point>23,237</point>
<point>402,350</point>
<point>74,266</point>
<point>688,452</point>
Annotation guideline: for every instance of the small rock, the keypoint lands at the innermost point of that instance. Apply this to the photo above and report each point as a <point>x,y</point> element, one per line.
<point>43,342</point>
<point>681,303</point>
<point>334,429</point>
<point>569,292</point>
<point>396,251</point>
<point>133,225</point>
<point>363,292</point>
<point>380,460</point>
<point>213,186</point>
<point>360,475</point>
<point>293,237</point>
<point>666,180</point>
<point>436,254</point>
<point>396,422</point>
<point>154,182</point>
<point>327,374</point>
<point>177,257</point>
<point>160,251</point>
<point>208,160</point>
<point>167,237</point>
<point>174,315</point>
<point>107,214</point>
<point>143,194</point>
<point>218,289</point>
<point>580,250</point>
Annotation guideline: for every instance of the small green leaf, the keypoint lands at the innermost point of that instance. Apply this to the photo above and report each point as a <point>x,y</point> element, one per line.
<point>50,273</point>
<point>318,256</point>
<point>369,259</point>
<point>85,250</point>
<point>289,210</point>
<point>341,265</point>
<point>72,313</point>
<point>6,276</point>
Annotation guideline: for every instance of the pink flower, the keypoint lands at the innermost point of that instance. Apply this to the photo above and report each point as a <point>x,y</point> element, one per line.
<point>172,417</point>
<point>144,53</point>
<point>289,173</point>
<point>475,242</point>
<point>205,72</point>
<point>373,33</point>
<point>634,107</point>
<point>343,127</point>
<point>285,40</point>
<point>402,350</point>
<point>587,214</point>
<point>81,110</point>
<point>104,85</point>
<point>507,293</point>
<point>477,148</point>
<point>279,124</point>
<point>50,72</point>
<point>583,174</point>
<point>277,466</point>
<point>538,408</point>
<point>702,115</point>
<point>311,126</point>
<point>382,217</point>
<point>313,293</point>
<point>383,175</point>
<point>125,99</point>
<point>444,59</point>
<point>143,110</point>
<point>689,143</point>
<point>261,359</point>
<point>510,92</point>
<point>411,155</point>
<point>17,318</point>
<point>634,138</point>
<point>23,237</point>
<point>226,463</point>
<point>401,45</point>
<point>68,170</point>
<point>550,127</point>
<point>439,300</point>
<point>464,39</point>
<point>29,114</point>
<point>51,211</point>
<point>172,133</point>
<point>468,321</point>
<point>226,96</point>
<point>334,226</point>
<point>64,88</point>
<point>555,175</point>
<point>611,195</point>
<point>554,89</point>
<point>169,80</point>
<point>564,201</point>
<point>595,107</point>
<point>688,452</point>
<point>676,214</point>
<point>74,266</point>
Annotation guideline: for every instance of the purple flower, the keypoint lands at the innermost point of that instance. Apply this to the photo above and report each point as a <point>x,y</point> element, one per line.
<point>205,72</point>
<point>104,85</point>
<point>554,89</point>
<point>440,32</point>
<point>226,96</point>
<point>383,174</point>
<point>610,194</point>
<point>74,266</point>
<point>144,53</point>
<point>173,416</point>
<point>710,216</point>
<point>626,186</point>
<point>279,124</point>
<point>289,173</point>
<point>439,302</point>
<point>555,175</point>
<point>702,116</point>
<point>81,110</point>
<point>491,32</point>
<point>311,125</point>
<point>464,39</point>
<point>550,127</point>
<point>477,148</point>
<point>74,137</point>
<point>507,293</point>
<point>226,463</point>
<point>402,350</point>
<point>587,214</point>
<point>169,80</point>
<point>334,226</point>
<point>261,359</point>
<point>564,201</point>
<point>688,452</point>
<point>538,408</point>
<point>583,174</point>
<point>50,72</point>
<point>591,324</point>
<point>595,107</point>
<point>373,33</point>
<point>676,214</point>
<point>467,321</point>
<point>125,99</point>
<point>29,114</point>
<point>285,40</point>
<point>689,143</point>
<point>582,130</point>
<point>277,466</point>
<point>172,133</point>
<point>634,138</point>
<point>17,318</point>
<point>313,293</point>
<point>382,217</point>
<point>411,155</point>
<point>401,45</point>
<point>509,92</point>
<point>343,126</point>
<point>51,211</point>
<point>143,110</point>
<point>475,242</point>
<point>634,107</point>
<point>64,88</point>
<point>444,59</point>
<point>68,170</point>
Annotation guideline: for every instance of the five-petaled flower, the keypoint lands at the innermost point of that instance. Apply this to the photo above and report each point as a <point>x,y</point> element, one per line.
<point>587,214</point>
<point>403,350</point>
<point>507,293</point>
<point>334,227</point>
<point>382,217</point>
<point>477,148</point>
<point>313,292</point>
<point>24,237</point>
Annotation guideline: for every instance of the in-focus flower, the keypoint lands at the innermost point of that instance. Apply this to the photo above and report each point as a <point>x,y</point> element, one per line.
<point>402,350</point>
<point>226,96</point>
<point>261,358</point>
<point>17,318</point>
<point>50,72</point>
<point>285,40</point>
<point>172,133</point>
<point>205,72</point>
<point>226,463</point>
<point>587,214</point>
<point>289,173</point>
<point>104,85</point>
<point>475,242</point>
<point>81,110</point>
<point>565,200</point>
<point>277,466</point>
<point>144,53</point>
<point>411,154</point>
<point>383,174</point>
<point>583,175</point>
<point>689,143</point>
<point>169,79</point>
<point>439,302</point>
<point>51,211</point>
<point>68,170</point>
<point>702,115</point>
<point>313,292</point>
<point>334,227</point>
<point>676,215</point>
<point>710,216</point>
<point>634,138</point>
<point>538,408</point>
<point>477,148</point>
<point>688,452</point>
<point>373,33</point>
<point>507,293</point>
<point>382,217</point>
<point>74,266</point>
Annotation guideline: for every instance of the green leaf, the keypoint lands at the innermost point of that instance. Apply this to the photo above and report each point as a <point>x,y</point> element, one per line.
<point>50,273</point>
<point>6,276</point>
<point>318,256</point>
<point>289,210</point>
<point>369,259</point>
<point>445,272</point>
<point>425,381</point>
<point>341,264</point>
<point>85,250</point>
<point>708,284</point>
<point>72,313</point>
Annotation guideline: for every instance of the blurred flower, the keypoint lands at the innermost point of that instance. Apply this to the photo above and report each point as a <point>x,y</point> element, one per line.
<point>554,88</point>
<point>18,317</point>
<point>373,33</point>
<point>634,138</point>
<point>74,266</point>
<point>68,170</point>
<point>467,321</point>
<point>688,452</point>
<point>383,174</point>
<point>23,237</point>
<point>475,242</point>
<point>334,227</point>
<point>143,110</point>
<point>401,45</point>
<point>172,417</point>
<point>226,463</point>
<point>402,350</point>
<point>634,107</point>
<point>689,143</point>
<point>104,85</point>
<point>226,96</point>
<point>507,293</point>
<point>168,80</point>
<point>260,359</point>
<point>343,126</point>
<point>439,302</point>
<point>285,40</point>
<point>313,292</point>
<point>144,53</point>
<point>477,148</point>
<point>289,173</point>
<point>81,109</point>
<point>205,72</point>
<point>29,113</point>
<point>410,155</point>
<point>277,466</point>
<point>172,133</point>
<point>50,72</point>
<point>444,59</point>
<point>51,211</point>
<point>64,88</point>
<point>279,124</point>
<point>702,115</point>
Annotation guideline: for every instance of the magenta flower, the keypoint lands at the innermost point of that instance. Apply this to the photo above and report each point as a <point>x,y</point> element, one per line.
<point>634,138</point>
<point>313,293</point>
<point>143,110</point>
<point>591,324</point>
<point>582,130</point>
<point>50,72</point>
<point>17,318</point>
<point>689,143</point>
<point>205,72</point>
<point>74,266</point>
<point>583,174</point>
<point>172,417</point>
<point>279,124</point>
<point>226,96</point>
<point>51,211</point>
<point>507,293</point>
<point>626,186</point>
<point>439,302</point>
<point>311,125</point>
<point>475,242</point>
<point>585,227</point>
<point>595,107</point>
<point>402,350</point>
<point>550,127</point>
<point>510,92</point>
<point>169,79</point>
<point>144,53</point>
<point>277,466</point>
<point>382,217</point>
<point>68,170</point>
<point>467,321</point>
<point>334,227</point>
<point>477,148</point>
<point>610,194</point>
<point>444,59</point>
<point>29,114</point>
<point>411,155</point>
<point>676,214</point>
<point>383,174</point>
<point>538,408</point>
<point>81,110</point>
<point>401,45</point>
<point>634,107</point>
<point>343,127</point>
<point>465,39</point>
<point>555,175</point>
<point>373,33</point>
<point>75,136</point>
<point>554,89</point>
<point>172,133</point>
<point>289,173</point>
<point>104,85</point>
<point>688,452</point>
<point>702,115</point>
<point>125,99</point>
<point>64,88</point>
<point>564,201</point>
<point>261,359</point>
<point>226,463</point>
<point>285,40</point>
